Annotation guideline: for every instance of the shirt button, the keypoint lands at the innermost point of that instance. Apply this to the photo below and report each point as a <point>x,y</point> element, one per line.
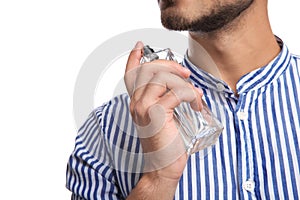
<point>220,87</point>
<point>242,115</point>
<point>249,185</point>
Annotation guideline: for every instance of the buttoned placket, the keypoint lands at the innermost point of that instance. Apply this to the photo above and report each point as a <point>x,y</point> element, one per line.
<point>245,156</point>
<point>240,109</point>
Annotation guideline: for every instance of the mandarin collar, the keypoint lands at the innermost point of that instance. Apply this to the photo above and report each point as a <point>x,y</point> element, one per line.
<point>253,80</point>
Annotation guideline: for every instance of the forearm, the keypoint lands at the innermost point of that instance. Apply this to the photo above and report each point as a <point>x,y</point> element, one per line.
<point>151,186</point>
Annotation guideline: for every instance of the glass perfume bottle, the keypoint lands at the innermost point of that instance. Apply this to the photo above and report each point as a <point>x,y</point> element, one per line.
<point>199,129</point>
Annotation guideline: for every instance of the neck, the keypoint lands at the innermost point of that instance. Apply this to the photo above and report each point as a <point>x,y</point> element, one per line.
<point>244,45</point>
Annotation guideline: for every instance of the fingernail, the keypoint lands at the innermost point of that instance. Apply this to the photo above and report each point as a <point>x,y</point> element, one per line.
<point>139,45</point>
<point>186,70</point>
<point>200,91</point>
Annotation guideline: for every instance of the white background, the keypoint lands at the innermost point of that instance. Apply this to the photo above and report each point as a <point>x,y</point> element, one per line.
<point>42,47</point>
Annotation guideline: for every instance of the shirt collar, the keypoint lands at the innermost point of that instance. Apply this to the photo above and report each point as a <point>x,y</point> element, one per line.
<point>253,80</point>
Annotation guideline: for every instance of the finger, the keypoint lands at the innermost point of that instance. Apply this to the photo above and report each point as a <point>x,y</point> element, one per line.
<point>148,70</point>
<point>168,89</point>
<point>149,95</point>
<point>134,56</point>
<point>185,72</point>
<point>156,106</point>
<point>165,82</point>
<point>159,84</point>
<point>178,95</point>
<point>133,63</point>
<point>197,104</point>
<point>171,85</point>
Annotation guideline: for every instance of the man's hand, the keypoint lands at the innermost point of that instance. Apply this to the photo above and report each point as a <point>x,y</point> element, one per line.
<point>156,88</point>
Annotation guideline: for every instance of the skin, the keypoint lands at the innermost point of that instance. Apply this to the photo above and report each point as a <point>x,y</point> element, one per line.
<point>236,47</point>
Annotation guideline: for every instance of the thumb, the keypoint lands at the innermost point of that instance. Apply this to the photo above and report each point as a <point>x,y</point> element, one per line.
<point>134,56</point>
<point>133,63</point>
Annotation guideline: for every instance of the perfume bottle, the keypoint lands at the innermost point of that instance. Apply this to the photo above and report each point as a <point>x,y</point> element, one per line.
<point>199,129</point>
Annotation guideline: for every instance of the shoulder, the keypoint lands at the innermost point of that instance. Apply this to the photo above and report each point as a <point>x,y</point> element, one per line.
<point>112,114</point>
<point>109,127</point>
<point>116,128</point>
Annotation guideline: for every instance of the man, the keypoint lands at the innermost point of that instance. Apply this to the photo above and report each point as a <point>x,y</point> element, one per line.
<point>249,80</point>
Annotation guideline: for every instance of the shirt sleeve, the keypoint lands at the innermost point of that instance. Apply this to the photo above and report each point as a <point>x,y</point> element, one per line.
<point>75,197</point>
<point>89,172</point>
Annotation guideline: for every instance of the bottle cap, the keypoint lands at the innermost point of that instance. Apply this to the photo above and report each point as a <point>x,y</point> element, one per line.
<point>148,50</point>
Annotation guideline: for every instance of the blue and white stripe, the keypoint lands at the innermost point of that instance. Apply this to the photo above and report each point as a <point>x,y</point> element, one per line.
<point>260,143</point>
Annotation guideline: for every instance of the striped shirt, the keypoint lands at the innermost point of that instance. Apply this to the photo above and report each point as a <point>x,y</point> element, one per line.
<point>256,157</point>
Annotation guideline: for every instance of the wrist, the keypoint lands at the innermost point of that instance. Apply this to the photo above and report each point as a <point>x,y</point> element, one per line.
<point>159,178</point>
<point>154,186</point>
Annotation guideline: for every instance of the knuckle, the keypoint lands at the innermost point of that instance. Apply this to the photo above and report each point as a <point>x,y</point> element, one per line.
<point>141,114</point>
<point>178,93</point>
<point>140,108</point>
<point>131,107</point>
<point>161,75</point>
<point>185,93</point>
<point>158,78</point>
<point>145,68</point>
